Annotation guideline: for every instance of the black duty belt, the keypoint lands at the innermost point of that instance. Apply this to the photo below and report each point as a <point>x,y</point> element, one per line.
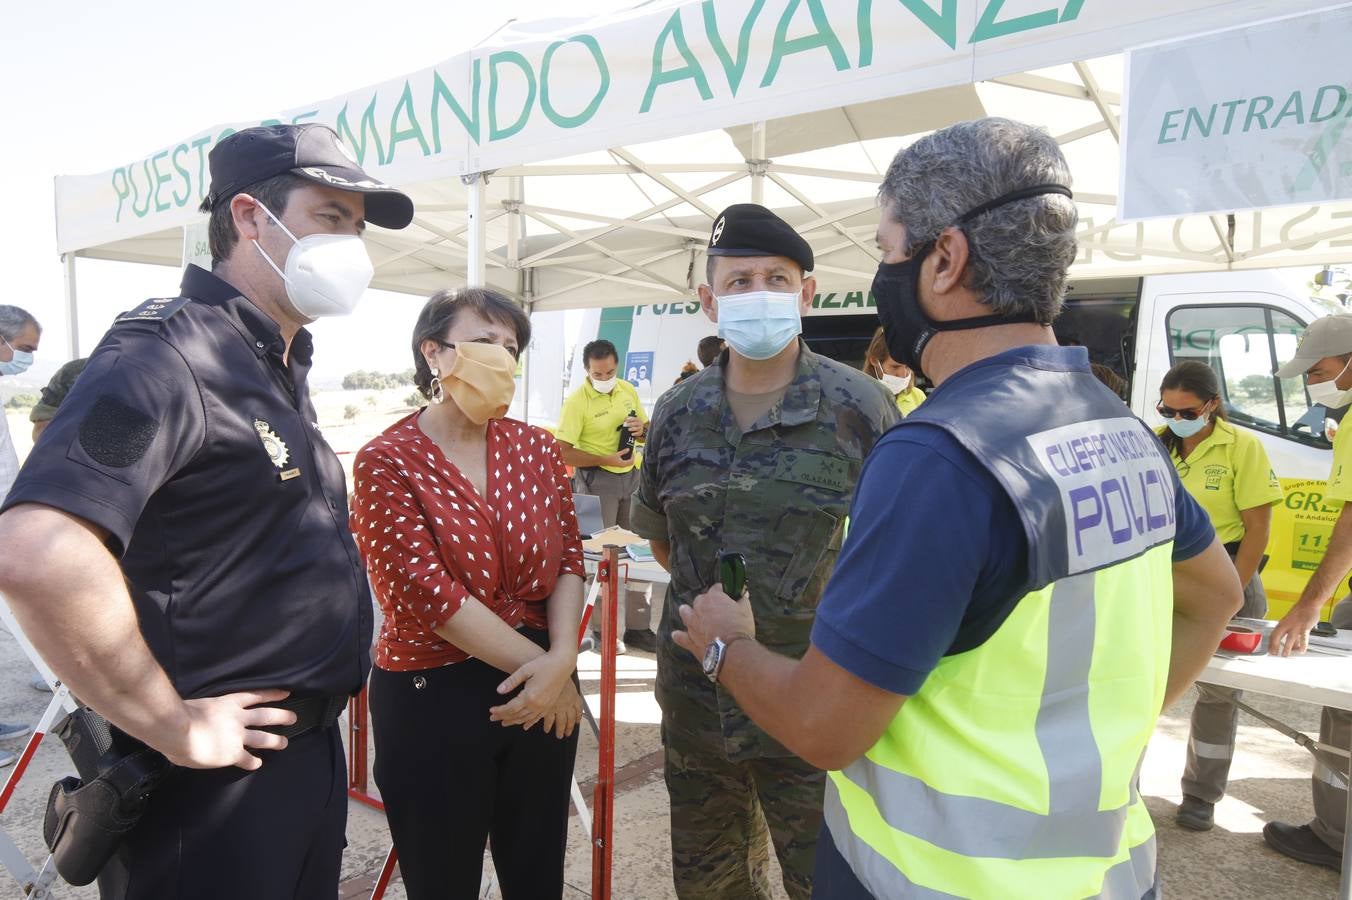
<point>312,714</point>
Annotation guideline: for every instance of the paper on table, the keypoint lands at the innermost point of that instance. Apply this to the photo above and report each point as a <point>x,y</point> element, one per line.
<point>613,535</point>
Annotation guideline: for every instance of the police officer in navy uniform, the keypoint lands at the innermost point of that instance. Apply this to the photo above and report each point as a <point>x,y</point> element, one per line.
<point>177,547</point>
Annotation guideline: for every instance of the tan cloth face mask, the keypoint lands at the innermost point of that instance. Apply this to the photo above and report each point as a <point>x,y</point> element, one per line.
<point>481,381</point>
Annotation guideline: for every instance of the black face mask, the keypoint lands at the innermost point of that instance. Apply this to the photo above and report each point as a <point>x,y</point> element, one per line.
<point>896,290</point>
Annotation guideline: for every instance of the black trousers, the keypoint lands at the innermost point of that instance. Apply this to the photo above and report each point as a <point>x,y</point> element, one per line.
<point>222,834</point>
<point>452,779</point>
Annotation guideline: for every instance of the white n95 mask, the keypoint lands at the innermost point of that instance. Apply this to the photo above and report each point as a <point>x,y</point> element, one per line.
<point>1327,394</point>
<point>326,274</point>
<point>896,383</point>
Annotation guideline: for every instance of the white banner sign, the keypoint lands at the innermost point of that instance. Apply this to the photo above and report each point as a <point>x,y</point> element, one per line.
<point>665,68</point>
<point>197,244</point>
<point>1253,117</point>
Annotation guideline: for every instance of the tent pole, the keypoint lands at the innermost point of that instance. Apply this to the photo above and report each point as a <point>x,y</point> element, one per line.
<point>757,159</point>
<point>72,305</point>
<point>515,228</point>
<point>474,264</point>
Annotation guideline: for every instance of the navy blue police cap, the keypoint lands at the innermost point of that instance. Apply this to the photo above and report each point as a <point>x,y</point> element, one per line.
<point>313,152</point>
<point>749,229</point>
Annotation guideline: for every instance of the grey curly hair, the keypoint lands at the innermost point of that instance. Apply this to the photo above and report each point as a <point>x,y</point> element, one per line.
<point>1019,252</point>
<point>14,319</point>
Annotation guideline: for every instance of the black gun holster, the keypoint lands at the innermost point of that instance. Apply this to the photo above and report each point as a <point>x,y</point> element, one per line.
<point>87,817</point>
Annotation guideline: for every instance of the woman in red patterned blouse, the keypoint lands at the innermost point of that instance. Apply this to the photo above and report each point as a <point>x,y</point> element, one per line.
<point>465,520</point>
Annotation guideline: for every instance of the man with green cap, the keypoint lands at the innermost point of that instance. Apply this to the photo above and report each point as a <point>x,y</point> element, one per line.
<point>1324,357</point>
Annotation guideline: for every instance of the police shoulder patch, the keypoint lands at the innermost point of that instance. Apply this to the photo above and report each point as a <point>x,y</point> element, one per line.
<point>157,309</point>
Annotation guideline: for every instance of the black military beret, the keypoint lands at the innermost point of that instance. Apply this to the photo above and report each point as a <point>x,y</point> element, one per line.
<point>749,229</point>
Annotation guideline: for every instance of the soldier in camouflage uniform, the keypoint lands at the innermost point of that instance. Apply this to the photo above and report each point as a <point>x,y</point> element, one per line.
<point>55,392</point>
<point>769,474</point>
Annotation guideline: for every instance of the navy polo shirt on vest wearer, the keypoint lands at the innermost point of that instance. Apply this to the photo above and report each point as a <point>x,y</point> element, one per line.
<point>193,443</point>
<point>935,561</point>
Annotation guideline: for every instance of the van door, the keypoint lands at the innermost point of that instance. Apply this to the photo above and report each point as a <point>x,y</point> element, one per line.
<point>1244,337</point>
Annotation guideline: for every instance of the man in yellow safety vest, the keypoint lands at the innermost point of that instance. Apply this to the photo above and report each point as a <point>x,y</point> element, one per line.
<point>1024,585</point>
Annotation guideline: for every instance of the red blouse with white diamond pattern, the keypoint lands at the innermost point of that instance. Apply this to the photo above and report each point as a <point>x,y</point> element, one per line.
<point>430,541</point>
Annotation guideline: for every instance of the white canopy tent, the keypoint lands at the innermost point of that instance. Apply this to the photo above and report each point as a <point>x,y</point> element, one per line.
<point>797,104</point>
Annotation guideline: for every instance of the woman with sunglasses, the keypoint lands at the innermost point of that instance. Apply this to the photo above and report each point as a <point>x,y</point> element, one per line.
<point>1227,471</point>
<point>895,376</point>
<point>465,521</point>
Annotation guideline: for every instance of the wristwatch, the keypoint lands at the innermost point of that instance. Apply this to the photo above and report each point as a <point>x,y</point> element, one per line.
<point>716,652</point>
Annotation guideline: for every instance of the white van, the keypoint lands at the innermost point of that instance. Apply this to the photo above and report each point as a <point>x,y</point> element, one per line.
<point>1242,324</point>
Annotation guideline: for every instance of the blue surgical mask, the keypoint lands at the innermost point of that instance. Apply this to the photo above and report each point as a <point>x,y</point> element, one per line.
<point>759,324</point>
<point>20,362</point>
<point>1185,429</point>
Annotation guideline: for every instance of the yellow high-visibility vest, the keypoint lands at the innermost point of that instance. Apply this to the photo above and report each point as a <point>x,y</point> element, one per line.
<point>1012,772</point>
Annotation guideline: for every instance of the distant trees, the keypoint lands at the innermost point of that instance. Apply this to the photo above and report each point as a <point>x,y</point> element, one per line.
<point>22,401</point>
<point>1255,387</point>
<point>376,381</point>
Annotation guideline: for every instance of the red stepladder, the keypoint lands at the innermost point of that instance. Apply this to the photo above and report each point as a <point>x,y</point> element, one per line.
<point>603,802</point>
<point>35,883</point>
<point>357,768</point>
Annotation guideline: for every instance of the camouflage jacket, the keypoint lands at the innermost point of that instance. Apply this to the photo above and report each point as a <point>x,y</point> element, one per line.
<point>778,493</point>
<point>56,390</point>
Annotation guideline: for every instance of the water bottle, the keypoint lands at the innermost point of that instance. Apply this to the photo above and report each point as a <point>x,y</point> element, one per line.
<point>626,447</point>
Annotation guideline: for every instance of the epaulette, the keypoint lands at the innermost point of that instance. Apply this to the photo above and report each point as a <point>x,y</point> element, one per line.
<point>157,309</point>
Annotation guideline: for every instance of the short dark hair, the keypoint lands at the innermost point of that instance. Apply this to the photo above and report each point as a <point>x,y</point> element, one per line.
<point>272,192</point>
<point>708,350</point>
<point>599,349</point>
<point>440,312</point>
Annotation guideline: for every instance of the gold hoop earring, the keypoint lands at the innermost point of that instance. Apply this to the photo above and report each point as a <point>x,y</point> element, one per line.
<point>437,392</point>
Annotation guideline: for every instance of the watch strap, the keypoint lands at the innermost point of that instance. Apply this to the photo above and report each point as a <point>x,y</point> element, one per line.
<point>723,656</point>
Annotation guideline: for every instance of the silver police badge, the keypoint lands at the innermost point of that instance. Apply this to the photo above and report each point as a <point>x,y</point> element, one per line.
<point>274,446</point>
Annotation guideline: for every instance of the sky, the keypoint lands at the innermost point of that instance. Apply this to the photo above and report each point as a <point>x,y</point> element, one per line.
<point>91,86</point>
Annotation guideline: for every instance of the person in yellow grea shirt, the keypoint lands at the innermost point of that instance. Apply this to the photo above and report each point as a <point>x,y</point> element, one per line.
<point>1324,357</point>
<point>589,432</point>
<point>895,376</point>
<point>1226,470</point>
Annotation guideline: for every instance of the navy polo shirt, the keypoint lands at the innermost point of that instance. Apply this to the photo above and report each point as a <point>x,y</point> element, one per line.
<point>193,443</point>
<point>935,561</point>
